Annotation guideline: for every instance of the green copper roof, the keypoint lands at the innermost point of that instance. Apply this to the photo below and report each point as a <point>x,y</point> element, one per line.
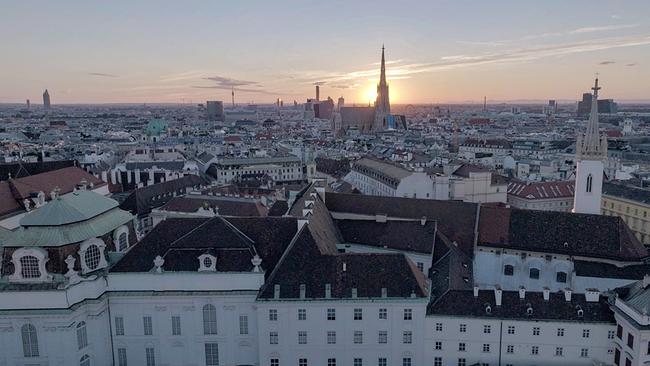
<point>73,207</point>
<point>52,236</point>
<point>155,127</point>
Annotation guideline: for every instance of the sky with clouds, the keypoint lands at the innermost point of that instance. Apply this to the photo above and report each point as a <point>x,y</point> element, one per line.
<point>437,51</point>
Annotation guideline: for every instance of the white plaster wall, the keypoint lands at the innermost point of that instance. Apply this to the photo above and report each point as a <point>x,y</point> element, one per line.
<point>317,351</point>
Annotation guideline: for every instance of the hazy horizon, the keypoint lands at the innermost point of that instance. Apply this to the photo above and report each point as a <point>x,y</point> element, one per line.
<point>437,52</point>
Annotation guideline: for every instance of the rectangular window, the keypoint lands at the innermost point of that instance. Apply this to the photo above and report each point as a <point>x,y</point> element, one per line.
<point>331,314</point>
<point>358,337</point>
<point>462,328</point>
<point>176,325</point>
<point>383,313</point>
<point>243,324</point>
<point>147,325</point>
<point>302,362</point>
<point>560,332</point>
<point>437,361</point>
<point>408,314</point>
<point>536,331</point>
<point>275,362</point>
<point>511,329</point>
<point>273,338</point>
<point>610,334</point>
<point>438,345</point>
<point>584,352</point>
<point>331,362</point>
<point>461,347</point>
<point>150,356</point>
<point>619,332</point>
<point>82,336</point>
<point>331,337</point>
<point>406,361</point>
<point>211,354</point>
<point>421,265</point>
<point>487,329</point>
<point>302,314</point>
<point>510,349</point>
<point>407,337</point>
<point>358,362</point>
<point>585,333</point>
<point>534,350</point>
<point>462,362</point>
<point>383,337</point>
<point>486,347</point>
<point>382,361</point>
<point>630,340</point>
<point>617,357</point>
<point>119,325</point>
<point>302,337</point>
<point>273,315</point>
<point>559,351</point>
<point>121,357</point>
<point>358,314</point>
<point>438,327</point>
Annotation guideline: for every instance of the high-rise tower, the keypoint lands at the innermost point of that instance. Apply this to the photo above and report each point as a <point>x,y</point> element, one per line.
<point>46,100</point>
<point>591,151</point>
<point>382,104</point>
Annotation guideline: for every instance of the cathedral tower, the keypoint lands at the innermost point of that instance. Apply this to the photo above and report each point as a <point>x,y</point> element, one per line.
<point>382,104</point>
<point>591,151</point>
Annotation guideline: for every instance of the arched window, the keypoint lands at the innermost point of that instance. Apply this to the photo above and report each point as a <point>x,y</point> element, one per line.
<point>30,340</point>
<point>92,257</point>
<point>209,319</point>
<point>508,270</point>
<point>561,277</point>
<point>84,361</point>
<point>29,267</point>
<point>122,242</point>
<point>590,180</point>
<point>534,273</point>
<point>82,335</point>
<point>207,262</point>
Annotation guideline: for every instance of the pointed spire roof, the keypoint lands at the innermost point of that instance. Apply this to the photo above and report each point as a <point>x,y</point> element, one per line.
<point>592,145</point>
<point>382,77</point>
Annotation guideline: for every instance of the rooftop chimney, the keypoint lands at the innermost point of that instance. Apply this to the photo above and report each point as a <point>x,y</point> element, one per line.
<point>475,291</point>
<point>384,292</point>
<point>423,220</point>
<point>354,292</point>
<point>567,294</point>
<point>303,290</point>
<point>497,295</point>
<point>547,293</point>
<point>592,295</point>
<point>646,281</point>
<point>328,290</point>
<point>522,293</point>
<point>276,291</point>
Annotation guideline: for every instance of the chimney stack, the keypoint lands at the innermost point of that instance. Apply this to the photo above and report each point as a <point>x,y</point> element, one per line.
<point>522,293</point>
<point>475,291</point>
<point>498,293</point>
<point>547,293</point>
<point>567,294</point>
<point>646,281</point>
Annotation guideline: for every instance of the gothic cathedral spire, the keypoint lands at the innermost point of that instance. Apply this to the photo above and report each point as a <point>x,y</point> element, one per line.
<point>382,104</point>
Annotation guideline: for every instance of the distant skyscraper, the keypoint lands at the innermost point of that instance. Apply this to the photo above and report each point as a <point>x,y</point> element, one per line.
<point>46,100</point>
<point>27,104</point>
<point>591,150</point>
<point>340,103</point>
<point>214,109</point>
<point>317,93</point>
<point>382,105</point>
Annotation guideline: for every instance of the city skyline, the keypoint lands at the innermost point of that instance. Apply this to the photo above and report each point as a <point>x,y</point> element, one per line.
<point>444,52</point>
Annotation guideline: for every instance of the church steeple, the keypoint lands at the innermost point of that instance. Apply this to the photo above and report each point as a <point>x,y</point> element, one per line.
<point>592,145</point>
<point>382,104</point>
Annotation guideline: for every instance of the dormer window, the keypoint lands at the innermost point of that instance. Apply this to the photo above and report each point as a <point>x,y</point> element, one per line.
<point>92,255</point>
<point>29,265</point>
<point>207,263</point>
<point>121,238</point>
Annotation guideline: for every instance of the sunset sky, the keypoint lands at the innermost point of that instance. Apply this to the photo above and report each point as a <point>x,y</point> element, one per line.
<point>437,51</point>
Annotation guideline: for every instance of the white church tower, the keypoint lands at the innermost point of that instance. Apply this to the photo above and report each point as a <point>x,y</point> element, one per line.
<point>591,151</point>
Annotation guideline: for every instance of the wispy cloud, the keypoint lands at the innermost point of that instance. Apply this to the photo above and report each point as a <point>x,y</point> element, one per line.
<point>226,83</point>
<point>105,75</point>
<point>187,75</point>
<point>606,62</point>
<point>631,64</point>
<point>320,83</point>
<point>507,56</point>
<point>603,28</point>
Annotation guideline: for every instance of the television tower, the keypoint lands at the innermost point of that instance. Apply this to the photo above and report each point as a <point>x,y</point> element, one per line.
<point>233,97</point>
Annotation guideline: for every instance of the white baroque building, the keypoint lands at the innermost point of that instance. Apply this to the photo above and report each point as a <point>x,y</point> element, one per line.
<point>339,280</point>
